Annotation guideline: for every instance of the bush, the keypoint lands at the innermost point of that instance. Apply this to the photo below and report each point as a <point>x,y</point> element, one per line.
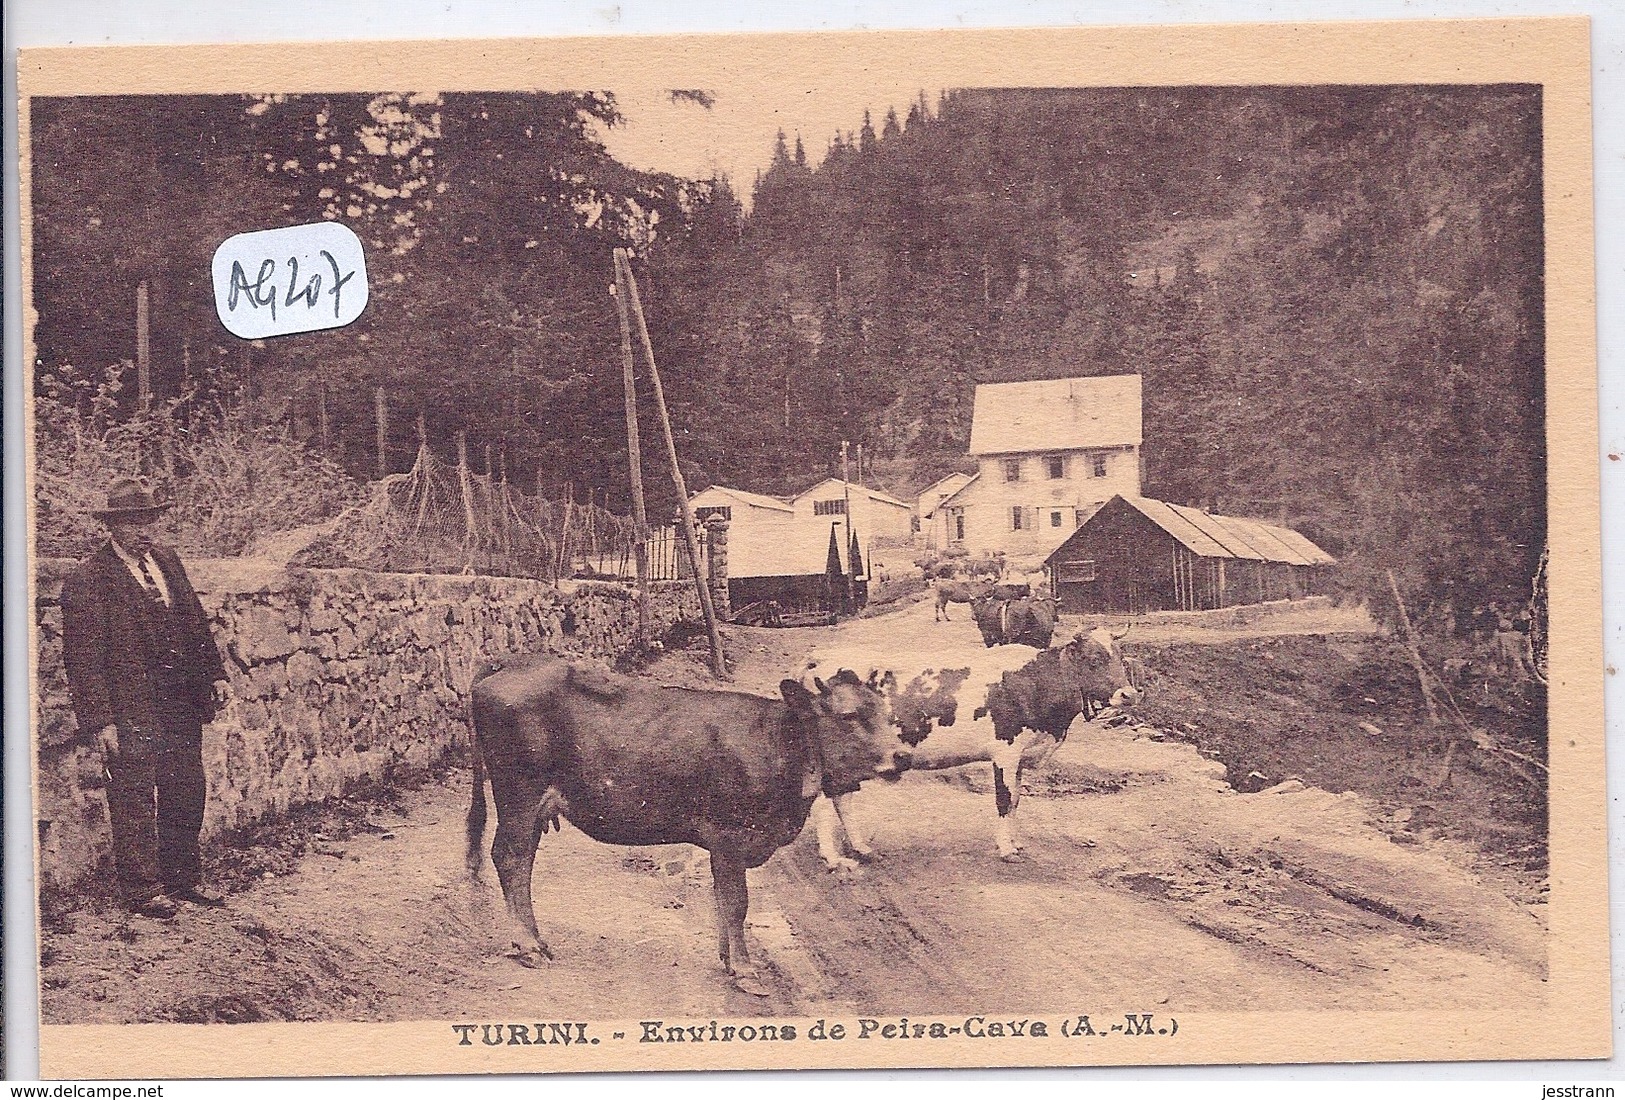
<point>231,481</point>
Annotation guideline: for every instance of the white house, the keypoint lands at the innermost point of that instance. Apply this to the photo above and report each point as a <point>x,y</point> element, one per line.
<point>931,524</point>
<point>779,551</point>
<point>875,515</point>
<point>759,527</point>
<point>1049,453</point>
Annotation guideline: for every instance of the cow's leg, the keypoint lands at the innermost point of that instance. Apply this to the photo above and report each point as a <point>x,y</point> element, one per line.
<point>827,826</point>
<point>721,913</point>
<point>513,852</point>
<point>846,808</point>
<point>1007,796</point>
<point>733,901</point>
<point>1032,750</point>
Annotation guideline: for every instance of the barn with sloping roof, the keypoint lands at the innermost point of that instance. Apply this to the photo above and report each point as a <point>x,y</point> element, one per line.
<point>1136,555</point>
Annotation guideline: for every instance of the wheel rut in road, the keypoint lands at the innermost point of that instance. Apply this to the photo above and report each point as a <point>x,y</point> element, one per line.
<point>867,947</point>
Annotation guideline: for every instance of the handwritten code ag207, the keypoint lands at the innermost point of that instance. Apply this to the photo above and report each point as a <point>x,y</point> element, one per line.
<point>297,279</point>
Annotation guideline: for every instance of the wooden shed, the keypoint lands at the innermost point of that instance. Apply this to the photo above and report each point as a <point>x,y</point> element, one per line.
<point>1137,554</point>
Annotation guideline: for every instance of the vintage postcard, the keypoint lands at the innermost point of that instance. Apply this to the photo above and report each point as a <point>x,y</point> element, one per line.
<point>1050,547</point>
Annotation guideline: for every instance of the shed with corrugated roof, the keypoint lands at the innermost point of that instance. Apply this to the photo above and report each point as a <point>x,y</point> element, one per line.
<point>1136,555</point>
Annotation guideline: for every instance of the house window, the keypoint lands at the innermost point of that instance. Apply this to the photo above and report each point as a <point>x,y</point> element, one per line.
<point>1075,571</point>
<point>1054,467</point>
<point>1012,469</point>
<point>1078,516</point>
<point>1016,517</point>
<point>829,507</point>
<point>914,524</point>
<point>723,510</point>
<point>959,524</point>
<point>1097,465</point>
<point>1055,519</point>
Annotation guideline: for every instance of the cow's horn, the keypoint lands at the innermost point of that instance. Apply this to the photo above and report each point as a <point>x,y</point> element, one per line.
<point>823,688</point>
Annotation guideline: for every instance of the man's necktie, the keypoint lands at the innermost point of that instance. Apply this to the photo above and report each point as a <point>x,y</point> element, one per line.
<point>147,582</point>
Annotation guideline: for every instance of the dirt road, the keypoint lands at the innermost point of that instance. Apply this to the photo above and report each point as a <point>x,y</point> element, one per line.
<point>1152,885</point>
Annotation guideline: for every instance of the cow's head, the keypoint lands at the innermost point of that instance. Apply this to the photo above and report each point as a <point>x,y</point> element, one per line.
<point>915,704</point>
<point>850,727</point>
<point>1093,664</point>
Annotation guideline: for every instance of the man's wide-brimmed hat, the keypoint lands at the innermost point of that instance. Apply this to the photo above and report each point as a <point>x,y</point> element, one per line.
<point>130,499</point>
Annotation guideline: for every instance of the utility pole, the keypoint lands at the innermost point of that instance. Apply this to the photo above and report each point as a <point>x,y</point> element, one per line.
<point>143,349</point>
<point>846,505</point>
<point>634,457</point>
<point>623,265</point>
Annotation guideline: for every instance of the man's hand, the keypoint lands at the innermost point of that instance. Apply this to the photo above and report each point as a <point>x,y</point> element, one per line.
<point>107,740</point>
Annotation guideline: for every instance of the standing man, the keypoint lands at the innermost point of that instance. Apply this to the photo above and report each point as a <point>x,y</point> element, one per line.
<point>145,675</point>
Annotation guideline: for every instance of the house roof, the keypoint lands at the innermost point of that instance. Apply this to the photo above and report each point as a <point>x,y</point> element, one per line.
<point>940,482</point>
<point>955,493</point>
<point>1210,536</point>
<point>1056,414</point>
<point>854,488</point>
<point>755,500</point>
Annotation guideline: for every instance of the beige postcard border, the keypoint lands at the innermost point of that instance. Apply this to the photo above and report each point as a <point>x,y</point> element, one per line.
<point>1552,52</point>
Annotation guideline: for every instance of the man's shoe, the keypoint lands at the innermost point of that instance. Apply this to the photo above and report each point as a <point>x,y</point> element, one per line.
<point>158,907</point>
<point>199,895</point>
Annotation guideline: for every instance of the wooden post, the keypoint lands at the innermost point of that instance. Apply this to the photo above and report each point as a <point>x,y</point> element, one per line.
<point>465,485</point>
<point>719,663</point>
<point>187,396</point>
<point>143,348</point>
<point>321,418</point>
<point>381,411</point>
<point>846,498</point>
<point>247,388</point>
<point>564,566</point>
<point>1422,682</point>
<point>634,457</point>
<point>1415,654</point>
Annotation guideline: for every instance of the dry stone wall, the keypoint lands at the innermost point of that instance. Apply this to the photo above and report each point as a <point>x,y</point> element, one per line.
<point>338,677</point>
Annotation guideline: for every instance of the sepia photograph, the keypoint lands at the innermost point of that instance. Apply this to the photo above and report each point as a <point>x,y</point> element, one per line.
<point>973,560</point>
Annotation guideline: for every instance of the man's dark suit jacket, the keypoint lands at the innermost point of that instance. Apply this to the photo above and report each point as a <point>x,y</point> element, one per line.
<point>114,651</point>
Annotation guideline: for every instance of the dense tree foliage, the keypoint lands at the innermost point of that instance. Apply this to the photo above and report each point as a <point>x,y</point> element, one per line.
<point>1334,297</point>
<point>488,219</point>
<point>1333,294</point>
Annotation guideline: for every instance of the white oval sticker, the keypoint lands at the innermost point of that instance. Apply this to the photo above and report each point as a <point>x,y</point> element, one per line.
<point>299,279</point>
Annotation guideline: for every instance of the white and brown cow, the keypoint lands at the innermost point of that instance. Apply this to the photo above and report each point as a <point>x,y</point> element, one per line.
<point>1010,706</point>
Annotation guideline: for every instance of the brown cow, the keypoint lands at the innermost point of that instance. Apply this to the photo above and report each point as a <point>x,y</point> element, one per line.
<point>960,591</point>
<point>1023,620</point>
<point>628,762</point>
